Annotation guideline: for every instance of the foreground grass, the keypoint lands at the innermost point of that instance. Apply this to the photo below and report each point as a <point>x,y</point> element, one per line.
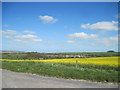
<point>62,70</point>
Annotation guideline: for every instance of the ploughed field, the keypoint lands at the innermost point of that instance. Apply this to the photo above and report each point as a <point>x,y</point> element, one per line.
<point>100,69</point>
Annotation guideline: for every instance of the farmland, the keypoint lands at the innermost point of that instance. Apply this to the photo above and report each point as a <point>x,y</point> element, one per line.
<point>36,55</point>
<point>110,61</point>
<point>100,69</point>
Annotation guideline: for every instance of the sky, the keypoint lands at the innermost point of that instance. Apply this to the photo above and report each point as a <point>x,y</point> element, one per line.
<point>60,26</point>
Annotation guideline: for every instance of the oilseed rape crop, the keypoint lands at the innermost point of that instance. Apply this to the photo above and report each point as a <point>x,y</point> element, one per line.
<point>109,61</point>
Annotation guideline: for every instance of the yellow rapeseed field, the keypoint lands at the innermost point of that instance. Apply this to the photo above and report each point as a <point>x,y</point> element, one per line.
<point>110,61</point>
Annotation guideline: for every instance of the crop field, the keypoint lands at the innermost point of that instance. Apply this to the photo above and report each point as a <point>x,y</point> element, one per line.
<point>100,69</point>
<point>38,56</point>
<point>110,61</point>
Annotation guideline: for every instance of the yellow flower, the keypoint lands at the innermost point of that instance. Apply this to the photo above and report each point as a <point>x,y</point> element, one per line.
<point>110,61</point>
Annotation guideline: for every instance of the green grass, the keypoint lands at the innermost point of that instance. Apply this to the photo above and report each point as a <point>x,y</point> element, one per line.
<point>67,71</point>
<point>13,56</point>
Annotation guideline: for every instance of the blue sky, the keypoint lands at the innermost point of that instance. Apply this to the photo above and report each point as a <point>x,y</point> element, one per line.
<point>60,27</point>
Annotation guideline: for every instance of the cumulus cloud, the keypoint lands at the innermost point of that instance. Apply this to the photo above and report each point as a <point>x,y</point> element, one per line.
<point>0,33</point>
<point>82,35</point>
<point>108,26</point>
<point>27,31</point>
<point>103,41</point>
<point>11,32</point>
<point>7,37</point>
<point>71,41</point>
<point>17,37</point>
<point>47,19</point>
<point>8,34</point>
<point>85,26</point>
<point>108,41</point>
<point>28,39</point>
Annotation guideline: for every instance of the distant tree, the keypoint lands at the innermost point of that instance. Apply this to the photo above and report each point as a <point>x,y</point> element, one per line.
<point>110,51</point>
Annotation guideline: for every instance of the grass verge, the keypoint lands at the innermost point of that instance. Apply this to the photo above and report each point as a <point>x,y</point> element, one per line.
<point>67,71</point>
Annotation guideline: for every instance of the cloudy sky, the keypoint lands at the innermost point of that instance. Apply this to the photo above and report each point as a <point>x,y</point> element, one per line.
<point>60,27</point>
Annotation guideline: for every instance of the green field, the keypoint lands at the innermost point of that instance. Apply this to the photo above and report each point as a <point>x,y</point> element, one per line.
<point>92,72</point>
<point>35,55</point>
<point>99,67</point>
<point>13,56</point>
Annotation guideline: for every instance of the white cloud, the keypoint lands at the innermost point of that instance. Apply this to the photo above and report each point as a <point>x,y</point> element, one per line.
<point>18,41</point>
<point>71,41</point>
<point>82,35</point>
<point>108,26</point>
<point>109,41</point>
<point>85,26</point>
<point>26,31</point>
<point>27,39</point>
<point>0,33</point>
<point>8,34</point>
<point>106,41</point>
<point>47,19</point>
<point>7,37</point>
<point>12,35</point>
<point>11,32</point>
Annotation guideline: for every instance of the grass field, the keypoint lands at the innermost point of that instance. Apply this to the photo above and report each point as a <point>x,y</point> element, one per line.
<point>101,69</point>
<point>13,56</point>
